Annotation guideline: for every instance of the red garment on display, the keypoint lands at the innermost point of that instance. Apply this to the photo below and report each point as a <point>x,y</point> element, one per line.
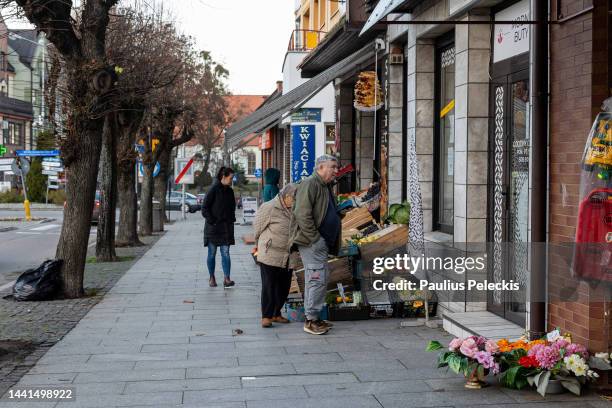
<point>593,253</point>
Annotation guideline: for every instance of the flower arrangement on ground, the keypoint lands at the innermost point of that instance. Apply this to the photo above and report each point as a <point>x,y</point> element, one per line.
<point>539,362</point>
<point>473,357</point>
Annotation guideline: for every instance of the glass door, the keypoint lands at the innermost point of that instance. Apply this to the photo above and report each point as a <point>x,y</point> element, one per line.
<point>509,188</point>
<point>445,129</point>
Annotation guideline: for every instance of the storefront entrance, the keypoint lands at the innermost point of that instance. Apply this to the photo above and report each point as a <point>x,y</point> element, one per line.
<point>509,158</point>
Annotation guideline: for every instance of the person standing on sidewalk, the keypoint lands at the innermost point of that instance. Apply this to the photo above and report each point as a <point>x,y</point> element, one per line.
<point>271,225</point>
<point>316,233</point>
<point>271,179</point>
<point>219,210</point>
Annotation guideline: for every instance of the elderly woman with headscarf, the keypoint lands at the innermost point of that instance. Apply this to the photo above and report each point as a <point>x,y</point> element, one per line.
<point>272,226</point>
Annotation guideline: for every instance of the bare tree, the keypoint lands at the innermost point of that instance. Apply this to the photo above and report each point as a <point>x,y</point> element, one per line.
<point>78,34</point>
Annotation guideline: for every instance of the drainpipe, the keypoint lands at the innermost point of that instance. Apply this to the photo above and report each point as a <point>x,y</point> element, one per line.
<point>539,174</point>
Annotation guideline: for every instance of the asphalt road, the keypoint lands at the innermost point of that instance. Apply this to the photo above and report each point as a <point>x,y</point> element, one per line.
<point>30,244</point>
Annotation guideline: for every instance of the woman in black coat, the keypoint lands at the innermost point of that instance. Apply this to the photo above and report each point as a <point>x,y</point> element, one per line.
<point>219,211</point>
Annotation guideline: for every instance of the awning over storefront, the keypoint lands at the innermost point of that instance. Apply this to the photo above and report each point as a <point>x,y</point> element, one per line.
<point>386,7</point>
<point>273,112</point>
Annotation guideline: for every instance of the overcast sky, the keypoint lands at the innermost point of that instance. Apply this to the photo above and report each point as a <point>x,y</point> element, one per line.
<point>249,37</point>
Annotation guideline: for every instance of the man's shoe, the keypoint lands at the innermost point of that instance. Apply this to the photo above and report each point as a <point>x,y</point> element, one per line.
<point>212,282</point>
<point>265,322</point>
<point>325,323</point>
<point>280,319</point>
<point>312,327</point>
<point>228,283</point>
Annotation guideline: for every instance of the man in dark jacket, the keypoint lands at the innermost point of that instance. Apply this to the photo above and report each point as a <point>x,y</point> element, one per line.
<point>316,233</point>
<point>219,210</point>
<point>271,179</point>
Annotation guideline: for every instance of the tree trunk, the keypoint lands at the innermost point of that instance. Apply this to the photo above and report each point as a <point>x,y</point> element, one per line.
<point>146,202</point>
<point>161,182</point>
<point>127,233</point>
<point>81,176</point>
<point>105,244</point>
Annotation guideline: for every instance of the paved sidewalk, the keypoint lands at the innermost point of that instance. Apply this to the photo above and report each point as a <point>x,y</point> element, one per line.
<point>163,338</point>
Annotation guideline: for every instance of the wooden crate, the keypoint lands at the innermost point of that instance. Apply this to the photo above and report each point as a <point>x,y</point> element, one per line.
<point>389,239</point>
<point>356,218</point>
<point>295,288</point>
<point>339,272</point>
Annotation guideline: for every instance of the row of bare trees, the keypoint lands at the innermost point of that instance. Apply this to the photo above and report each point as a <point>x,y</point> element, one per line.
<point>126,76</point>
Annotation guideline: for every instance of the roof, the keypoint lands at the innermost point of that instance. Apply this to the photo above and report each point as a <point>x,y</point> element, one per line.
<point>239,106</point>
<point>12,106</point>
<point>25,49</point>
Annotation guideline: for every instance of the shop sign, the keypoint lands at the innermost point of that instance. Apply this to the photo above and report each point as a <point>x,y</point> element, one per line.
<point>306,115</point>
<point>303,151</point>
<point>266,140</point>
<point>511,39</point>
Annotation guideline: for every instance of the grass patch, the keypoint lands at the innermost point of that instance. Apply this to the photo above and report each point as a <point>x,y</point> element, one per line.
<point>93,260</point>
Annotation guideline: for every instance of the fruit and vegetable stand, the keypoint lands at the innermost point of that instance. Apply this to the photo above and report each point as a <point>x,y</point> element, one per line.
<point>363,239</point>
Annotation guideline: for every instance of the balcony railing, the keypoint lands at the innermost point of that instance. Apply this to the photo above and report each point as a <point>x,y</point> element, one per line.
<point>304,40</point>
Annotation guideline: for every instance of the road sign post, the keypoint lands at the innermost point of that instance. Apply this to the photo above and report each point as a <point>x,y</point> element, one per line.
<point>185,175</point>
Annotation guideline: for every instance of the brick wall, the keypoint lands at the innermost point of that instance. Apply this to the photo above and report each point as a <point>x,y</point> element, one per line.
<point>579,83</point>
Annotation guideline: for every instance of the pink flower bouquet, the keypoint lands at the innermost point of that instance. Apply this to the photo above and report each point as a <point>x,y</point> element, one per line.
<point>473,356</point>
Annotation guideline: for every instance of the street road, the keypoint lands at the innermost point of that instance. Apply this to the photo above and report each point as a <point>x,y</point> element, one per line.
<point>29,245</point>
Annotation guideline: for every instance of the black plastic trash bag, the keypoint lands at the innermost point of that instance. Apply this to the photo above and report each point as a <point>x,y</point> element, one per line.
<point>38,284</point>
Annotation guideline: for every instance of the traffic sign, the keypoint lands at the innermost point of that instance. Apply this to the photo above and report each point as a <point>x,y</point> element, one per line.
<point>5,167</point>
<point>156,170</point>
<point>183,172</point>
<point>258,173</point>
<point>20,166</point>
<point>9,161</point>
<point>51,163</point>
<point>55,169</point>
<point>49,173</point>
<point>53,178</point>
<point>37,153</point>
<point>52,159</point>
<point>53,187</point>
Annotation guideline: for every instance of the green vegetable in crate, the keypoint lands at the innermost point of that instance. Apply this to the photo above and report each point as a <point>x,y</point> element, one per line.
<point>399,213</point>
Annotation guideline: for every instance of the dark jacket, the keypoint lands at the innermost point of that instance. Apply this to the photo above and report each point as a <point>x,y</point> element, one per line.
<point>219,211</point>
<point>309,209</point>
<point>271,179</point>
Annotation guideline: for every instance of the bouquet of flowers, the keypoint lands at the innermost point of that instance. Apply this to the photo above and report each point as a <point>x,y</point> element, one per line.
<point>473,356</point>
<point>538,362</point>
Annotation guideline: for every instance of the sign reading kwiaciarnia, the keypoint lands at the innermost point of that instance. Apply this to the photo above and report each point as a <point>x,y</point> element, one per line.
<point>303,151</point>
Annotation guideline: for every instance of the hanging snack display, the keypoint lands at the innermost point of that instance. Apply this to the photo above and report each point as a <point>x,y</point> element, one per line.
<point>368,93</point>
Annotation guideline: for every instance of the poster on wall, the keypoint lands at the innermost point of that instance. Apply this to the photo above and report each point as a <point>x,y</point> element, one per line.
<point>303,151</point>
<point>511,39</point>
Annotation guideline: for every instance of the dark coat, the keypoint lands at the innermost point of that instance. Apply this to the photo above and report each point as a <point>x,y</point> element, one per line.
<point>219,211</point>
<point>271,178</point>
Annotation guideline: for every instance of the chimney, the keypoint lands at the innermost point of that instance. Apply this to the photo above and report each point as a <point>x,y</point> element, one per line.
<point>279,86</point>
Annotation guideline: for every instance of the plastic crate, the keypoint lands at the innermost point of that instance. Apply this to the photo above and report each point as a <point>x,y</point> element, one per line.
<point>405,311</point>
<point>349,313</point>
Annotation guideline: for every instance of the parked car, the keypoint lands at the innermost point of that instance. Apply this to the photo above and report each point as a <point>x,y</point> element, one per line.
<point>95,214</point>
<point>174,201</point>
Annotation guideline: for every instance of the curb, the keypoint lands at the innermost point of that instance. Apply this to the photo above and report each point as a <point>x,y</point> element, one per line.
<point>7,229</point>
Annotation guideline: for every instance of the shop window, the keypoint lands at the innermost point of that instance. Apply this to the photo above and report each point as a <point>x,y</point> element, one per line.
<point>330,139</point>
<point>13,133</point>
<point>445,129</point>
<point>251,163</point>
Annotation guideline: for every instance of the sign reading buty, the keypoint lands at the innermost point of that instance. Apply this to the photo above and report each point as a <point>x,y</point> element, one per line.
<point>303,151</point>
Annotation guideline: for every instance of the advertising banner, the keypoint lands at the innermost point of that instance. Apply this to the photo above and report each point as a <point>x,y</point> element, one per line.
<point>303,151</point>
